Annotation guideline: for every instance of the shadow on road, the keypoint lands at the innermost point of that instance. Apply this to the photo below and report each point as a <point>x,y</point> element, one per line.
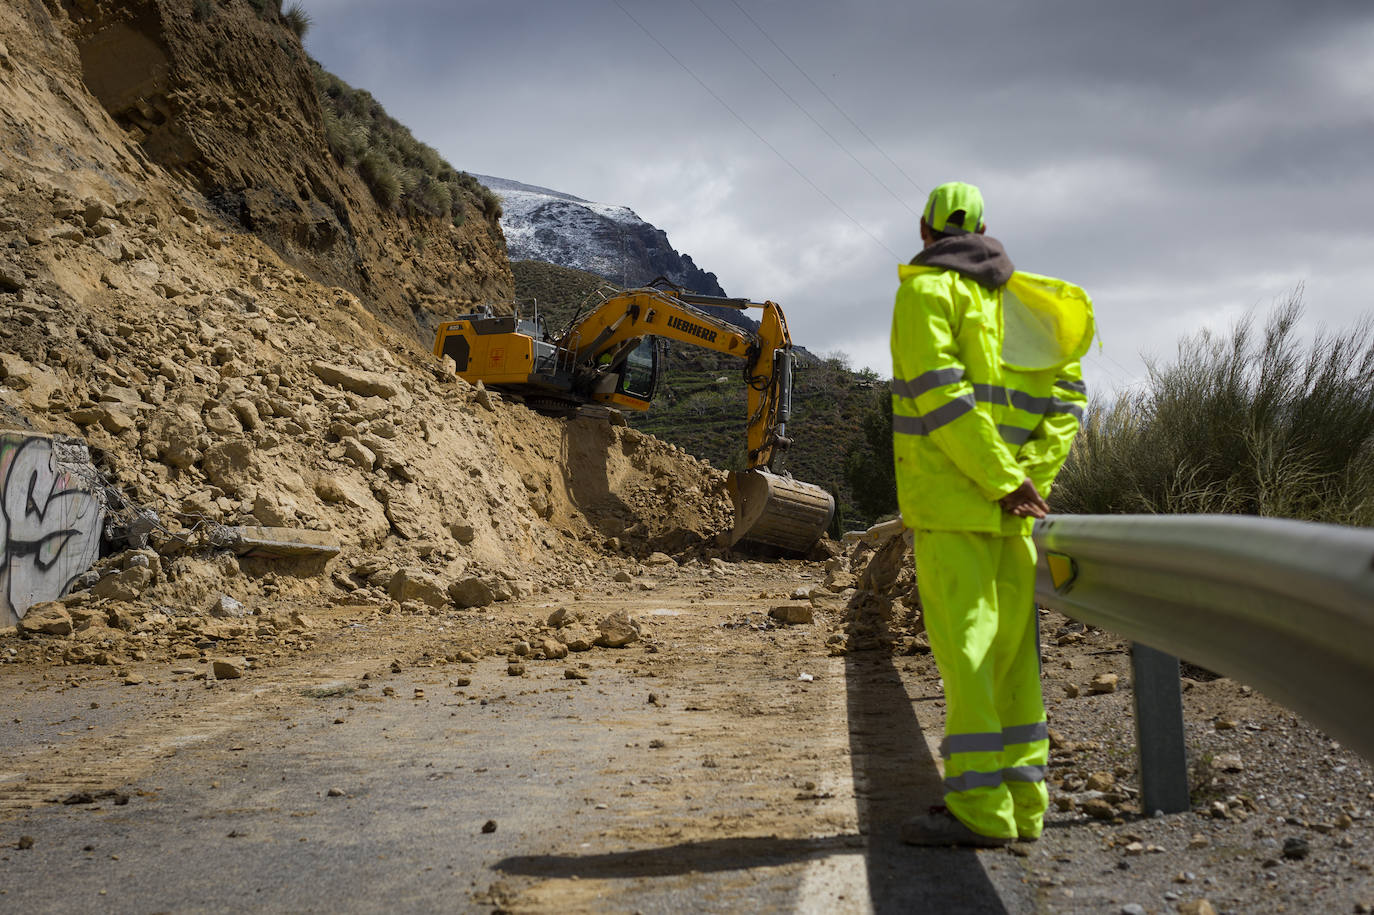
<point>706,856</point>
<point>895,777</point>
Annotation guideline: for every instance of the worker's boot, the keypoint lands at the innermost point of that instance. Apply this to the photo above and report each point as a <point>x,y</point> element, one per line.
<point>940,827</point>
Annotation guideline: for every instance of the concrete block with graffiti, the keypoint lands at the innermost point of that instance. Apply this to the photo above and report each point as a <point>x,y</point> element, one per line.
<point>50,519</point>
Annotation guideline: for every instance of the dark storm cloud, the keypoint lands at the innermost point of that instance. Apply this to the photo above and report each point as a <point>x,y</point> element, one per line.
<point>1183,160</point>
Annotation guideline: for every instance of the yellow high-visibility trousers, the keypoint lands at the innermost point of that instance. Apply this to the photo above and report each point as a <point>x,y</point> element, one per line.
<point>978,598</point>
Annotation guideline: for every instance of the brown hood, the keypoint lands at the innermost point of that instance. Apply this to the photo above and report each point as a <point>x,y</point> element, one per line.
<point>981,258</point>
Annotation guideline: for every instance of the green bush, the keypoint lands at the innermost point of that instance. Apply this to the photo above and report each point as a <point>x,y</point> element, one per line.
<point>1254,424</point>
<point>869,467</point>
<point>491,204</point>
<point>347,138</point>
<point>297,19</point>
<point>381,177</point>
<point>410,181</point>
<point>415,177</point>
<point>433,197</point>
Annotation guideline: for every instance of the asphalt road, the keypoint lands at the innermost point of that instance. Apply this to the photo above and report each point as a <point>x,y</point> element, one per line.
<point>737,788</point>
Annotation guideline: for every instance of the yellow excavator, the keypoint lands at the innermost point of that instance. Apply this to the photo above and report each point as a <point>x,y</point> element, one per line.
<point>609,354</point>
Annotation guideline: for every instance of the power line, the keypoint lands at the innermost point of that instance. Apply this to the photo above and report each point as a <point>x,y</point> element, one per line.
<point>1117,364</point>
<point>826,96</point>
<point>1117,380</point>
<point>777,152</point>
<point>1103,354</point>
<point>803,110</point>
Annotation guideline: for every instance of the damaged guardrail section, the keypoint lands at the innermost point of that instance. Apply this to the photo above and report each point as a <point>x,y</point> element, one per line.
<point>1285,606</point>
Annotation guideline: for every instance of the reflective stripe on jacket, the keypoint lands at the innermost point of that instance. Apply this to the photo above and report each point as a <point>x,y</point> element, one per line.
<point>986,391</point>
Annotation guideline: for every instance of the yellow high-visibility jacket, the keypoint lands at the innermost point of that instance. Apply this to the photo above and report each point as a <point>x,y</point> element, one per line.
<point>987,391</point>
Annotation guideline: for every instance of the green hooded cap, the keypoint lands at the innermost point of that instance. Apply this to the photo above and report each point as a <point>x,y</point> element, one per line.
<point>951,198</point>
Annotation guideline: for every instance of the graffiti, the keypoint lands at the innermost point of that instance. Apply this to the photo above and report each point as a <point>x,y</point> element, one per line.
<point>50,520</point>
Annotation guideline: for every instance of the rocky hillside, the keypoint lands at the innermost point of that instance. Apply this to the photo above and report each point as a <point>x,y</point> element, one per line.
<point>219,382</point>
<point>608,240</point>
<point>221,95</point>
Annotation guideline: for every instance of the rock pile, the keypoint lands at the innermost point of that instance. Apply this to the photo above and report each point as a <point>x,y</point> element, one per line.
<point>881,607</point>
<point>219,386</point>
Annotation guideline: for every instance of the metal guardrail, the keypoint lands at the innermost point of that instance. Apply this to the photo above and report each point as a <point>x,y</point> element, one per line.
<point>1284,606</point>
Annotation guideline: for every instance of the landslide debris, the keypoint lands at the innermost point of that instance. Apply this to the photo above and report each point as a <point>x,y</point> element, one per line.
<point>223,97</point>
<point>219,386</point>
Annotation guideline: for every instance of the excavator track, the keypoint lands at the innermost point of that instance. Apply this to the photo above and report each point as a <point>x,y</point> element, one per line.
<point>778,511</point>
<point>552,404</point>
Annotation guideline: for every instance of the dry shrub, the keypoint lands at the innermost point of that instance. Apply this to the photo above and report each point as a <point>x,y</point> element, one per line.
<point>1249,423</point>
<point>297,20</point>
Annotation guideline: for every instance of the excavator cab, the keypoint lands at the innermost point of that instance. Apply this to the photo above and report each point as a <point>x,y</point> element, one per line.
<point>632,382</point>
<point>639,377</point>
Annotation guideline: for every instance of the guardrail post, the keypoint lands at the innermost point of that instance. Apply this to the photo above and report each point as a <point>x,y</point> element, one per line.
<point>1159,731</point>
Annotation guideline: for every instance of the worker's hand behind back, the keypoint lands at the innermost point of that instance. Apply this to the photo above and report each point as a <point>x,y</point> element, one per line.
<point>1025,501</point>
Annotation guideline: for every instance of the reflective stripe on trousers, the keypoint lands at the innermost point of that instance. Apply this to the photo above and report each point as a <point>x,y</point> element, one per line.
<point>973,779</point>
<point>995,741</point>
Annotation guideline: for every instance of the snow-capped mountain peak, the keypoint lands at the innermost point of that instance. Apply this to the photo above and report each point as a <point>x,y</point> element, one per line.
<point>606,239</point>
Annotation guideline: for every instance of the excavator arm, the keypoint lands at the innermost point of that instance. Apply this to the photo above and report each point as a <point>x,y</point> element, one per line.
<point>621,322</point>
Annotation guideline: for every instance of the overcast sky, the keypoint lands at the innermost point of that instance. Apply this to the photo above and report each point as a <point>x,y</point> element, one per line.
<point>1183,160</point>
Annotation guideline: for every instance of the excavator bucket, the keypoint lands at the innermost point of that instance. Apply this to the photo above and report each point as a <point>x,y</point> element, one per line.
<point>778,511</point>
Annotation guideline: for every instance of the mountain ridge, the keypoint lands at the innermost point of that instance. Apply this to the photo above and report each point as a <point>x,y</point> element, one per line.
<point>610,240</point>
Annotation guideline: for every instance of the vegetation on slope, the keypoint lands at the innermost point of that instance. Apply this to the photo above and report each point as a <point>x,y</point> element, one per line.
<point>869,467</point>
<point>401,172</point>
<point>555,292</point>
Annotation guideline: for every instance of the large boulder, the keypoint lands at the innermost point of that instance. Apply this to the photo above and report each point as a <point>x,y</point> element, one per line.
<point>793,614</point>
<point>577,637</point>
<point>124,586</point>
<point>565,616</point>
<point>225,607</point>
<point>617,630</point>
<point>470,592</point>
<point>177,435</point>
<point>229,464</point>
<point>405,509</point>
<point>416,584</point>
<point>48,617</point>
<point>36,383</point>
<point>272,510</point>
<point>368,384</point>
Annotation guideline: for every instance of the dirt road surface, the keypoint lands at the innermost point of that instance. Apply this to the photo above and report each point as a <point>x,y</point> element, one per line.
<point>720,763</point>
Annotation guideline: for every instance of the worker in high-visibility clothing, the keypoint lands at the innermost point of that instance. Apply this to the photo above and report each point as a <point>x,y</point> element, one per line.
<point>987,395</point>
